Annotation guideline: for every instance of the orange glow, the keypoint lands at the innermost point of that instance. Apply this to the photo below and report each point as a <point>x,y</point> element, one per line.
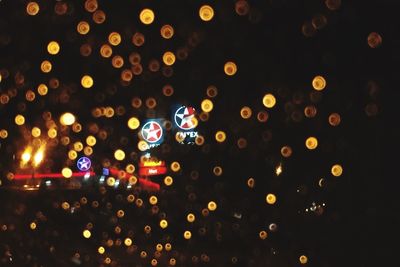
<point>83,27</point>
<point>117,61</point>
<point>91,140</point>
<point>263,235</point>
<point>126,75</point>
<point>101,250</point>
<point>32,226</point>
<point>128,242</point>
<point>217,171</point>
<point>242,7</point>
<point>106,51</point>
<point>32,8</point>
<point>167,31</point>
<point>278,170</point>
<point>190,217</point>
<point>212,206</point>
<point>334,119</point>
<point>270,199</point>
<point>146,16</point>
<point>286,151</point>
<point>52,133</point>
<point>42,89</point>
<point>36,132</point>
<point>66,172</point>
<point>206,13</point>
<point>38,157</point>
<point>303,259</point>
<point>114,38</point>
<point>53,48</point>
<point>337,170</point>
<point>245,112</point>
<point>26,155</point>
<point>251,182</point>
<point>310,111</point>
<point>169,58</point>
<point>187,234</point>
<point>230,68</point>
<point>269,100</point>
<point>175,166</point>
<point>133,123</point>
<point>138,39</point>
<point>163,224</point>
<point>319,83</point>
<point>212,91</point>
<point>311,143</point>
<point>67,119</point>
<point>46,66</point>
<point>374,40</point>
<point>153,200</point>
<point>87,81</point>
<point>91,5</point>
<point>19,119</point>
<point>87,234</point>
<point>207,105</point>
<point>168,180</point>
<point>99,16</point>
<point>220,136</point>
<point>168,90</point>
<point>3,134</point>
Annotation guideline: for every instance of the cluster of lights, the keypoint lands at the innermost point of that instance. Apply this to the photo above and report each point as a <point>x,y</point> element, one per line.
<point>69,131</point>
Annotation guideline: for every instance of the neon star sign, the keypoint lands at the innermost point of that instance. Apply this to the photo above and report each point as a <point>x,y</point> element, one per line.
<point>152,133</point>
<point>185,119</point>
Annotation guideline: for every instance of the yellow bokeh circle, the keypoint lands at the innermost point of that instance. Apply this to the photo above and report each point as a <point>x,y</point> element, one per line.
<point>337,170</point>
<point>303,259</point>
<point>230,68</point>
<point>270,199</point>
<point>206,13</point>
<point>87,81</point>
<point>66,172</point>
<point>187,234</point>
<point>146,16</point>
<point>220,136</point>
<point>319,83</point>
<point>114,38</point>
<point>269,100</point>
<point>19,119</point>
<point>53,48</point>
<point>32,8</point>
<point>207,105</point>
<point>163,224</point>
<point>311,143</point>
<point>119,154</point>
<point>212,206</point>
<point>169,58</point>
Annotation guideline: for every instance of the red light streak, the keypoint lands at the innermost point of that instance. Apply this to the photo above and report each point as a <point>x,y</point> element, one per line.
<point>50,175</point>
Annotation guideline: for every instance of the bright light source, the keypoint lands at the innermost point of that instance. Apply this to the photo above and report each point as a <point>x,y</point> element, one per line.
<point>37,159</point>
<point>146,16</point>
<point>67,119</point>
<point>278,169</point>
<point>26,156</point>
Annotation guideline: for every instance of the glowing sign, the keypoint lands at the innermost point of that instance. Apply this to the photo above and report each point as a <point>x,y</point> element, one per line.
<point>185,118</point>
<point>152,132</point>
<point>150,171</point>
<point>185,121</point>
<point>151,163</point>
<point>84,164</point>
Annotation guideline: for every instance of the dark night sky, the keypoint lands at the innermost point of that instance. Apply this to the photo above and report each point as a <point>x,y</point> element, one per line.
<point>272,56</point>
